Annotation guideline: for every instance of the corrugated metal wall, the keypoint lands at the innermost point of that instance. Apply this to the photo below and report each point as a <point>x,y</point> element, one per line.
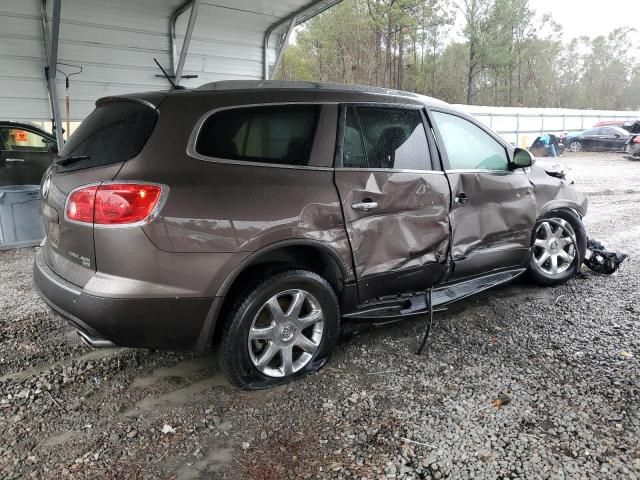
<point>116,40</point>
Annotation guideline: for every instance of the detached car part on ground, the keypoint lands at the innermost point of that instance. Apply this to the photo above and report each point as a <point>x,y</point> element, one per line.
<point>256,216</point>
<point>540,148</point>
<point>26,152</point>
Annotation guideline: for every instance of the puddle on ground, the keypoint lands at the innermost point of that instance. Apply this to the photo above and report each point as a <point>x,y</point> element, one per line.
<point>95,354</point>
<point>178,397</point>
<point>180,369</point>
<point>212,463</point>
<point>60,439</point>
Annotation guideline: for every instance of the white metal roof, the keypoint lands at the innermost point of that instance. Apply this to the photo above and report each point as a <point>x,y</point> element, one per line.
<point>115,42</point>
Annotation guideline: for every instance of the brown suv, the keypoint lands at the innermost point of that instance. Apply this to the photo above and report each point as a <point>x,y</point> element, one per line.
<point>258,215</point>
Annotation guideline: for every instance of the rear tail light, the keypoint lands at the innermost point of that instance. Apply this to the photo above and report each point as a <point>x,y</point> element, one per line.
<point>113,203</point>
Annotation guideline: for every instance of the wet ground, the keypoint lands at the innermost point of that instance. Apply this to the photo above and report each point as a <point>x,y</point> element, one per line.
<point>522,382</point>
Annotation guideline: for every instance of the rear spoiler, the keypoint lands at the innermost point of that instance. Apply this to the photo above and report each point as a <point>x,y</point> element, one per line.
<point>150,99</point>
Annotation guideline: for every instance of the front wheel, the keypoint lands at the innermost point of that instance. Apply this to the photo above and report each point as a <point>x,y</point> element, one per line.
<point>284,326</point>
<point>558,248</point>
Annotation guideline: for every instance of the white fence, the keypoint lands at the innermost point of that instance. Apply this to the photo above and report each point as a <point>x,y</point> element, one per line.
<point>520,126</point>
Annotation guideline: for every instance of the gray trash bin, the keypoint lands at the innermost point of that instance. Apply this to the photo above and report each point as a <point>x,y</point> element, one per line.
<point>21,224</point>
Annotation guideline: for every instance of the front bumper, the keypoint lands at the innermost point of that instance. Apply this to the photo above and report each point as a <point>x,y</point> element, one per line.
<point>175,323</point>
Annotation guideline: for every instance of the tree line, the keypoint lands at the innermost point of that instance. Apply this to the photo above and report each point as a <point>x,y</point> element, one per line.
<point>506,54</point>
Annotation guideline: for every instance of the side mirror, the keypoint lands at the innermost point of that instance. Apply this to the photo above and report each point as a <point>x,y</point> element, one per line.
<point>522,158</point>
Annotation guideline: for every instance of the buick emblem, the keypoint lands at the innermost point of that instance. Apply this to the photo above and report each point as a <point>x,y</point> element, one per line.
<point>45,186</point>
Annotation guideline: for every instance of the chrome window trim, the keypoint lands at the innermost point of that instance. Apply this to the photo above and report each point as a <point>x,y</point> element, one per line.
<point>195,133</point>
<point>482,170</point>
<point>389,170</point>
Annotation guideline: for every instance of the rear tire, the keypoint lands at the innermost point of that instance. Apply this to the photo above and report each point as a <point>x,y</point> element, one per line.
<point>550,240</point>
<point>283,326</point>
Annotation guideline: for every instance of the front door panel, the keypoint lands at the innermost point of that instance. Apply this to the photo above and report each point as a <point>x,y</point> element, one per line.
<point>493,210</point>
<point>492,228</point>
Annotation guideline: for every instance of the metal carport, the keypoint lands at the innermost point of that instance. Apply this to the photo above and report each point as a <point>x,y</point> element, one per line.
<point>115,41</point>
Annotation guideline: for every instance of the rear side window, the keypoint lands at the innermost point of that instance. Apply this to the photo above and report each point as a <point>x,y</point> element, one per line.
<point>281,134</point>
<point>392,138</point>
<point>113,132</point>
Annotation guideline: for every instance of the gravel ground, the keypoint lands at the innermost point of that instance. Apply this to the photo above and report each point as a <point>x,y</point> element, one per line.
<point>522,382</point>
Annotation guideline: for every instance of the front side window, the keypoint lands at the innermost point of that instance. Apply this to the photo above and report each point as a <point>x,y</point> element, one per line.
<point>468,146</point>
<point>16,139</point>
<point>393,138</point>
<point>280,134</point>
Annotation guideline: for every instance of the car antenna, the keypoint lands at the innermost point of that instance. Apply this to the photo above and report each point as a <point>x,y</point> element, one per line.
<point>167,76</point>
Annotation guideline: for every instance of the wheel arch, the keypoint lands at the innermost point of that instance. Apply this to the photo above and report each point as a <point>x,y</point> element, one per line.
<point>315,256</point>
<point>564,204</point>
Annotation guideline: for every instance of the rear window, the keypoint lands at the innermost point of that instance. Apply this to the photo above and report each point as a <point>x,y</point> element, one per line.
<point>281,134</point>
<point>113,132</point>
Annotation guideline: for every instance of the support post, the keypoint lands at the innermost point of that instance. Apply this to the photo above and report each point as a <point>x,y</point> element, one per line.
<point>283,46</point>
<point>172,33</point>
<point>195,4</point>
<point>51,62</point>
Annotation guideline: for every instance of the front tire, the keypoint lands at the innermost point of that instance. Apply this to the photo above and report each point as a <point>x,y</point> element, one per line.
<point>282,327</point>
<point>555,258</point>
<point>575,147</point>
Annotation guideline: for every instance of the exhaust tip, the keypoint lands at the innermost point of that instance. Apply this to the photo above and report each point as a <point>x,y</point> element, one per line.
<point>95,342</point>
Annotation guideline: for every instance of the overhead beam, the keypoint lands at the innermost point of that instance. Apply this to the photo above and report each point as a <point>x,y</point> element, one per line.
<point>178,68</point>
<point>50,38</point>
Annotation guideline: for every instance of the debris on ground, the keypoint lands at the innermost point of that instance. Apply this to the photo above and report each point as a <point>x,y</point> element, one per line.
<point>600,260</point>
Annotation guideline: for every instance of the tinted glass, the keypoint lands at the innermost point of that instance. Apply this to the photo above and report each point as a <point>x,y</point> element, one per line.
<point>280,134</point>
<point>394,138</point>
<point>113,132</point>
<point>353,154</point>
<point>16,139</point>
<point>468,146</point>
<point>591,131</point>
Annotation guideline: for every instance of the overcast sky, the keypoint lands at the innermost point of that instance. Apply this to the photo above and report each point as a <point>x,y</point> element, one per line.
<point>590,17</point>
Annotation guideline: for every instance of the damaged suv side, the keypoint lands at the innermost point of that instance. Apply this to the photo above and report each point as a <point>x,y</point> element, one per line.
<point>258,216</point>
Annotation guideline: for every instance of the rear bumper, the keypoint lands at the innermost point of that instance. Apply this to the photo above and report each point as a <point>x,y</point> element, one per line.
<point>175,323</point>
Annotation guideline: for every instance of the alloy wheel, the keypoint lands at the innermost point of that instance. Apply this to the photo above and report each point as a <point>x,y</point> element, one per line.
<point>575,146</point>
<point>554,247</point>
<point>285,333</point>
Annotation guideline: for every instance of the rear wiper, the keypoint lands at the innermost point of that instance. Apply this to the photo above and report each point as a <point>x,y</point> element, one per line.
<point>71,159</point>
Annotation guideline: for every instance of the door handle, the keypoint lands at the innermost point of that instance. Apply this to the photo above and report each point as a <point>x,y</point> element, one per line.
<point>364,206</point>
<point>461,198</point>
<point>14,159</point>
